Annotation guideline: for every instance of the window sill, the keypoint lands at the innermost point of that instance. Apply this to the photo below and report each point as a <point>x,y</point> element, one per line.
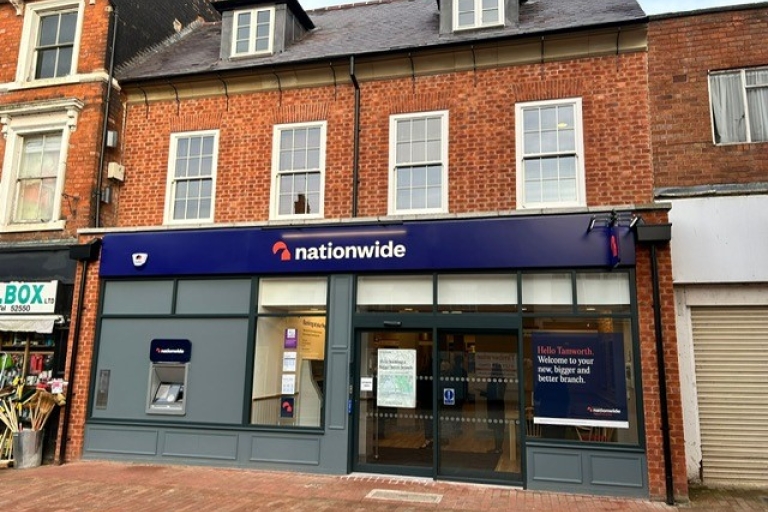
<point>289,218</point>
<point>740,144</point>
<point>418,213</point>
<point>38,226</point>
<point>21,85</point>
<point>478,27</point>
<point>550,206</point>
<point>239,56</point>
<point>189,223</point>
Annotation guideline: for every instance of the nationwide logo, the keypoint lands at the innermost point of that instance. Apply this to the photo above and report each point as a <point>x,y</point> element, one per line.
<point>602,411</point>
<point>330,251</point>
<point>169,350</point>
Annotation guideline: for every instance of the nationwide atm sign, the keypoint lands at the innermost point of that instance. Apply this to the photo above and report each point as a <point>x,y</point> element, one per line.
<point>28,297</point>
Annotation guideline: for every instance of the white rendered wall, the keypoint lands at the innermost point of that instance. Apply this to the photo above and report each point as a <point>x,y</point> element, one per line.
<point>719,258</point>
<point>720,239</point>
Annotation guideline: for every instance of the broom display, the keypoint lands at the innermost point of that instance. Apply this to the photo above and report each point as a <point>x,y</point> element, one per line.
<point>11,422</point>
<point>40,406</point>
<point>37,409</point>
<point>8,415</point>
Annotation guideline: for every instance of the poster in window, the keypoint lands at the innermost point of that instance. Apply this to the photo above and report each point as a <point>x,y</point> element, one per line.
<point>579,379</point>
<point>291,338</point>
<point>396,378</point>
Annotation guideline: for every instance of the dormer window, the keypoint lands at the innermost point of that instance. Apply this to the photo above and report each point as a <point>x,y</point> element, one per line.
<point>261,28</point>
<point>253,31</point>
<point>469,14</point>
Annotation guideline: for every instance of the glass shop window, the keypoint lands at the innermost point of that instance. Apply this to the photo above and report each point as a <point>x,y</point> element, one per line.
<point>477,293</point>
<point>602,292</point>
<point>547,293</point>
<point>401,294</point>
<point>289,359</point>
<point>579,379</point>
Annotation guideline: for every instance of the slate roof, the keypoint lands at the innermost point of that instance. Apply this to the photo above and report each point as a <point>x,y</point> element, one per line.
<point>370,28</point>
<point>142,26</point>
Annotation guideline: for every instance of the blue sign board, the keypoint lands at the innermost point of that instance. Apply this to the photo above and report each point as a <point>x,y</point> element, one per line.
<point>579,379</point>
<point>170,351</point>
<point>542,241</point>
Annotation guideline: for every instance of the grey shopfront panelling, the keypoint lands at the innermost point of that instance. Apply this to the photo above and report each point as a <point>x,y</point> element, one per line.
<point>215,393</point>
<point>265,450</point>
<point>588,471</point>
<point>276,449</point>
<point>335,441</point>
<point>208,297</point>
<point>196,445</point>
<point>130,442</point>
<point>215,389</point>
<point>138,298</point>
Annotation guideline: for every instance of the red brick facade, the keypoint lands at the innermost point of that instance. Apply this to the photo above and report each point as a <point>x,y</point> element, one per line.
<point>481,108</point>
<point>682,51</point>
<point>481,140</point>
<point>85,140</point>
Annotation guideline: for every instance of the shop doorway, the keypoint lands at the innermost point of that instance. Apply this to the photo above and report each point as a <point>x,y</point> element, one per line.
<point>438,403</point>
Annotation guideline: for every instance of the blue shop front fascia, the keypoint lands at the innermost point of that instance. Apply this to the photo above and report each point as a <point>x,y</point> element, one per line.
<point>536,242</point>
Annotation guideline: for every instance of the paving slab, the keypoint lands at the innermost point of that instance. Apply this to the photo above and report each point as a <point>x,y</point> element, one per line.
<point>103,486</point>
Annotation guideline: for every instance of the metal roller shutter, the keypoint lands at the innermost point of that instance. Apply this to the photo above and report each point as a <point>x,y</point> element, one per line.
<point>731,353</point>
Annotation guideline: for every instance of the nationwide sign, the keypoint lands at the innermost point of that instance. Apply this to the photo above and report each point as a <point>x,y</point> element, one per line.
<point>544,241</point>
<point>170,351</point>
<point>28,297</point>
<point>329,251</point>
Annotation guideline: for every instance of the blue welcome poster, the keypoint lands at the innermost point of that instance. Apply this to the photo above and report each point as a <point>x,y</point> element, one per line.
<point>579,379</point>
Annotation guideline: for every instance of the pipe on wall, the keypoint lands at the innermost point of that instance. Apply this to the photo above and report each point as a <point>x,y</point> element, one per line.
<point>356,138</point>
<point>105,124</point>
<point>662,378</point>
<point>92,254</point>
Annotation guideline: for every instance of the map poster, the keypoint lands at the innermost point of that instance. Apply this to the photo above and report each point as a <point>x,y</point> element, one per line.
<point>396,378</point>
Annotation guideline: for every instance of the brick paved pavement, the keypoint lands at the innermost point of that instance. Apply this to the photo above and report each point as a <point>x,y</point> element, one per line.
<point>117,487</point>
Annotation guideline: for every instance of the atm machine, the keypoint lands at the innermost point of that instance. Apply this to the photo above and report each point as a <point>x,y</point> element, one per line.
<point>168,371</point>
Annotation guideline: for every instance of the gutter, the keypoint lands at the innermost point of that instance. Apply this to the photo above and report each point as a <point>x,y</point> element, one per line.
<point>319,60</point>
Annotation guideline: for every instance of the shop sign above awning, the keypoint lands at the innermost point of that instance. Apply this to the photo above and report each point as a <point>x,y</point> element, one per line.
<point>20,297</point>
<point>29,323</point>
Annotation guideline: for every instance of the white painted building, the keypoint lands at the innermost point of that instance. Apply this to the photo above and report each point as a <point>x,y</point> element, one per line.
<point>720,271</point>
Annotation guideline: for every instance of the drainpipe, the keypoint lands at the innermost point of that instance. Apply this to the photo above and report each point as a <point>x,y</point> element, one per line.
<point>84,253</point>
<point>662,379</point>
<point>105,124</point>
<point>656,234</point>
<point>356,139</point>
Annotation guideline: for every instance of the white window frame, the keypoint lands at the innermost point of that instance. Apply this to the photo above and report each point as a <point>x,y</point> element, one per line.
<point>745,103</point>
<point>170,186</point>
<point>34,11</point>
<point>277,173</point>
<point>393,120</point>
<point>252,36</point>
<point>478,10</point>
<point>19,123</point>
<point>578,152</point>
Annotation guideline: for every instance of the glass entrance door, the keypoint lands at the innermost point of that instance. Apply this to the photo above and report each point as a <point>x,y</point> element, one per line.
<point>393,403</point>
<point>477,405</point>
<point>466,380</point>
